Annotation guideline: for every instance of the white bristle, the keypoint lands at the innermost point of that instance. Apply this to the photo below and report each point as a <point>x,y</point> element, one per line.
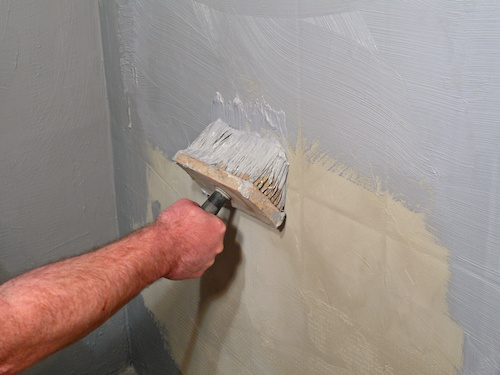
<point>259,160</point>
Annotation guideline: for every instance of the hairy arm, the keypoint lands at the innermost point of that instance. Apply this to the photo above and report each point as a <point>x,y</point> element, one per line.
<point>53,306</point>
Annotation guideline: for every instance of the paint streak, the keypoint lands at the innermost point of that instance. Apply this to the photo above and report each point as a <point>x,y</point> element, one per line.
<point>325,72</point>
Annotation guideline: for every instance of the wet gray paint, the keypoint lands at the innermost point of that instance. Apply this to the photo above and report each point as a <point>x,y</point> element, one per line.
<point>147,345</point>
<point>127,142</point>
<point>454,94</point>
<point>104,351</point>
<point>56,190</point>
<point>146,348</point>
<point>405,92</point>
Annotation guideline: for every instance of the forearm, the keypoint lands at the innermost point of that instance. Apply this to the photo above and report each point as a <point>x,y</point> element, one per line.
<point>40,314</point>
<point>50,307</point>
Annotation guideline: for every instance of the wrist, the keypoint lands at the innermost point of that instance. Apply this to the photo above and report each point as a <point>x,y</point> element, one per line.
<point>159,246</point>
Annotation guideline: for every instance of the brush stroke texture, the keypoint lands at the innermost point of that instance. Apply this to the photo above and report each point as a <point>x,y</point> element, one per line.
<point>406,93</point>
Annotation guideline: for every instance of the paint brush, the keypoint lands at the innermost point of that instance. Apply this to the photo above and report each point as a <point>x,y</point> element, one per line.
<point>243,168</point>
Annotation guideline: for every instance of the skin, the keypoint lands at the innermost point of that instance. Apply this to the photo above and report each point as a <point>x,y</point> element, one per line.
<point>53,306</point>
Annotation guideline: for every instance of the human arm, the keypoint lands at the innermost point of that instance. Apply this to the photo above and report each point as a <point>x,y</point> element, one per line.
<point>53,306</point>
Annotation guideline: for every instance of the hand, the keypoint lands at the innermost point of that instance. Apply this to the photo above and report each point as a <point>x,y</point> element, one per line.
<point>193,237</point>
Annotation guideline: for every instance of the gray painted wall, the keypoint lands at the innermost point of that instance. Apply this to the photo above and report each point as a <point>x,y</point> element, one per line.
<point>406,93</point>
<point>147,350</point>
<point>57,194</point>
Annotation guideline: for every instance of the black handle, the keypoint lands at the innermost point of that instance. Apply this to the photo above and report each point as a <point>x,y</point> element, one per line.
<point>215,202</point>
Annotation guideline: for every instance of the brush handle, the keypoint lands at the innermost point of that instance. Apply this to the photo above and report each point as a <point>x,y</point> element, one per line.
<point>215,201</point>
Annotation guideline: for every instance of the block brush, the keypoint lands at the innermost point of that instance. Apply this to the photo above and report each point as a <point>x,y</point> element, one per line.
<point>243,168</point>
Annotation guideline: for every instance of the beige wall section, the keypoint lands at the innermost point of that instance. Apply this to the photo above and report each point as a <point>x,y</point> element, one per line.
<point>355,284</point>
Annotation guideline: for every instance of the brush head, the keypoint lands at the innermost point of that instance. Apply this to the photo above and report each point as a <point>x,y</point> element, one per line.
<point>251,169</point>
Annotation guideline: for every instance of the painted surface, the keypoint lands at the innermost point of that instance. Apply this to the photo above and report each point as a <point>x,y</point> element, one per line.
<point>56,188</point>
<point>402,101</point>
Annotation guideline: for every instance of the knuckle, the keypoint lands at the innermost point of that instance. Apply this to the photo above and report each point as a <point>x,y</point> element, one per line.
<point>221,226</point>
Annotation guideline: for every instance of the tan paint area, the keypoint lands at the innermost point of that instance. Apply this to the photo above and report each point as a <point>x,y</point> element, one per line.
<point>355,284</point>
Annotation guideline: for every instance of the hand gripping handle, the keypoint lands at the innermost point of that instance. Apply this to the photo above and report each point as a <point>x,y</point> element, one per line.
<point>215,201</point>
